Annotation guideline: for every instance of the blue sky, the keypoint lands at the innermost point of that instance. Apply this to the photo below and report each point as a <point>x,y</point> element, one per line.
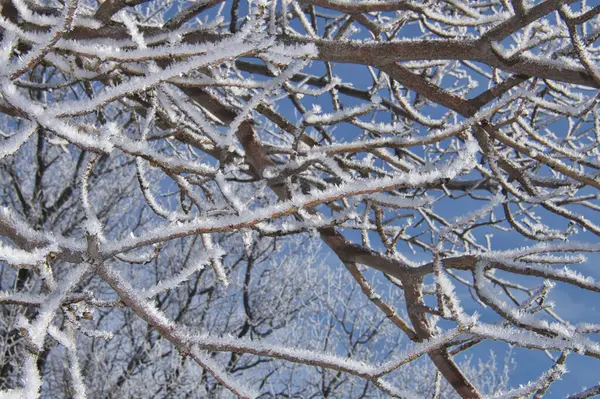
<point>571,302</point>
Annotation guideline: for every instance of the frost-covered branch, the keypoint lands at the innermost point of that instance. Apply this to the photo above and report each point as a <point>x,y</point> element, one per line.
<point>167,169</point>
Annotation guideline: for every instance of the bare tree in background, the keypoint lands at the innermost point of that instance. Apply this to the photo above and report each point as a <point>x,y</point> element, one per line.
<point>163,165</point>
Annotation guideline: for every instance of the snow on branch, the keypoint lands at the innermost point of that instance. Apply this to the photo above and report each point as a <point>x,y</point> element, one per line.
<point>447,154</point>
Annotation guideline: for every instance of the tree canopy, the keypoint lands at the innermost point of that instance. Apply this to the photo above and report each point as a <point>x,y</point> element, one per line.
<point>313,198</point>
